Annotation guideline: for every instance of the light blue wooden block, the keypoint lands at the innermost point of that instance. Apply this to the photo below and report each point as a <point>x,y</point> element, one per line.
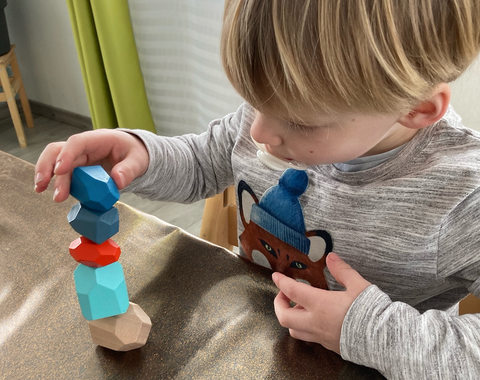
<point>94,188</point>
<point>94,225</point>
<point>102,292</point>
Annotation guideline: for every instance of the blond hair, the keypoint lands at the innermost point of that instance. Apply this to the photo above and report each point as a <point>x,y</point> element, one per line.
<point>367,56</point>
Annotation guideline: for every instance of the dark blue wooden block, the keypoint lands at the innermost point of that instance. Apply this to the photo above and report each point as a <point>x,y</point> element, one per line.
<point>94,225</point>
<point>94,188</point>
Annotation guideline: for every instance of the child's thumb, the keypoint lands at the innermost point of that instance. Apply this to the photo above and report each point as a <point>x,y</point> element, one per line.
<point>344,273</point>
<point>125,172</point>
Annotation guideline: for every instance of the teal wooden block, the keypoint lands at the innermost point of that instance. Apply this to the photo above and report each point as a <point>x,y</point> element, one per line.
<point>94,225</point>
<point>94,188</point>
<point>102,292</point>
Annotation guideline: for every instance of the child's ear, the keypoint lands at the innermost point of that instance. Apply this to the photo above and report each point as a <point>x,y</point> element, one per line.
<point>428,111</point>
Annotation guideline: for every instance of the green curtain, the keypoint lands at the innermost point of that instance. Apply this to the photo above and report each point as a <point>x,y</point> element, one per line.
<point>109,61</point>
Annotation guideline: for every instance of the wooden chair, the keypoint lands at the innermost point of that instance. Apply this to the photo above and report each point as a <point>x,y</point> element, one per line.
<point>219,223</point>
<point>219,226</point>
<point>470,305</point>
<point>12,86</point>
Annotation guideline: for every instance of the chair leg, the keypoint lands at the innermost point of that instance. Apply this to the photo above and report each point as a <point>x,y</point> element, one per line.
<point>12,105</point>
<point>21,92</point>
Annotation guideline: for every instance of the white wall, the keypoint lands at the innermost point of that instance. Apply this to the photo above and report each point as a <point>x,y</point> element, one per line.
<point>46,53</point>
<point>178,45</point>
<point>466,96</point>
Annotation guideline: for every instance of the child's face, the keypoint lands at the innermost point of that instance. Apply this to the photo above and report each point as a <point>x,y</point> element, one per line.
<point>329,139</point>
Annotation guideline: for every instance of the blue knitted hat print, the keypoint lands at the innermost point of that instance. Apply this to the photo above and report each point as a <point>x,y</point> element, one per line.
<point>280,213</point>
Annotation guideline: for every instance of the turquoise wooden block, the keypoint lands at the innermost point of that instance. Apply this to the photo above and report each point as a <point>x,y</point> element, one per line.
<point>102,292</point>
<point>94,225</point>
<point>94,188</point>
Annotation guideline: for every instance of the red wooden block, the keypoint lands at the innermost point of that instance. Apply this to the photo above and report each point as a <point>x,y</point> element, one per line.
<point>91,254</point>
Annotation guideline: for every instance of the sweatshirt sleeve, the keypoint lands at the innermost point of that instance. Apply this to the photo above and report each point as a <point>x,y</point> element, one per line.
<point>188,168</point>
<point>402,343</point>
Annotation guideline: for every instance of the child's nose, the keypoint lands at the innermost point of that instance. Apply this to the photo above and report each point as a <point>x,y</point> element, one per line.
<point>264,131</point>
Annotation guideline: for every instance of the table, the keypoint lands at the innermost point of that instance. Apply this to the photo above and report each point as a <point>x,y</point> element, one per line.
<point>212,312</point>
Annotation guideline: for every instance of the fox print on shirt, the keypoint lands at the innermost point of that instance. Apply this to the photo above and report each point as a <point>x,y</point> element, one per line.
<point>275,235</point>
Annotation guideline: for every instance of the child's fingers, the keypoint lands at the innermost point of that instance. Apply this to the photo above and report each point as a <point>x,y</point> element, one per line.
<point>282,301</point>
<point>75,152</point>
<point>123,174</point>
<point>45,166</point>
<point>60,158</point>
<point>120,153</point>
<point>291,318</point>
<point>294,319</point>
<point>302,335</point>
<point>134,165</point>
<point>62,187</point>
<point>345,274</point>
<point>300,293</point>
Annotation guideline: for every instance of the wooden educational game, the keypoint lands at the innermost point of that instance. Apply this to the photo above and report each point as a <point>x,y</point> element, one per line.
<point>114,322</point>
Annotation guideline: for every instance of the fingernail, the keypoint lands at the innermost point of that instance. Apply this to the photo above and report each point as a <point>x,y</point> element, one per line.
<point>334,256</point>
<point>57,165</point>
<point>122,179</point>
<point>55,193</point>
<point>38,178</point>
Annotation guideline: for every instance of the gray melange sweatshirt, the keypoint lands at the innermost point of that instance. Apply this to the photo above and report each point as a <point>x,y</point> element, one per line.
<point>408,225</point>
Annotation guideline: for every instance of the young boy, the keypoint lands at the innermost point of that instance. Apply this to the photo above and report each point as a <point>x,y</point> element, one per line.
<point>357,91</point>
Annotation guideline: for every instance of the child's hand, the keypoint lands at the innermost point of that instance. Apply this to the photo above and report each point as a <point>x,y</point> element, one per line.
<point>121,154</point>
<point>318,315</point>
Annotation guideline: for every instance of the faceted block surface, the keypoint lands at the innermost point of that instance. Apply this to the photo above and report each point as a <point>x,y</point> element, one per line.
<point>102,292</point>
<point>94,225</point>
<point>94,188</point>
<point>123,332</point>
<point>91,254</point>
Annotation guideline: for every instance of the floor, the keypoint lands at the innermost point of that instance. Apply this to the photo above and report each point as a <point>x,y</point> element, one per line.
<point>187,217</point>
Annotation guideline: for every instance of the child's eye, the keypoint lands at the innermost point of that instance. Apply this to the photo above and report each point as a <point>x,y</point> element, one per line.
<point>300,127</point>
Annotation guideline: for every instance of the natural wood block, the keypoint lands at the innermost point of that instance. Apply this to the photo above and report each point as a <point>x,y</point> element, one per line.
<point>123,332</point>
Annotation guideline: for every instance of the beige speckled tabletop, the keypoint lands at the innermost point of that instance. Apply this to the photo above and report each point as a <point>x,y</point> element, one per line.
<point>212,312</point>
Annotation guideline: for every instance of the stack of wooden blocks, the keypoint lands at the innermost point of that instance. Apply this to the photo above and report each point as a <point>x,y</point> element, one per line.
<point>114,322</point>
